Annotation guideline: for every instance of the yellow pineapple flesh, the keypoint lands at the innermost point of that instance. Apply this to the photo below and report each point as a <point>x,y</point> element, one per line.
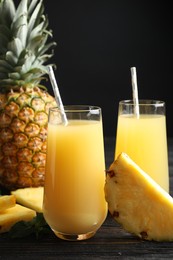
<point>137,202</point>
<point>31,197</point>
<point>7,201</point>
<point>11,216</point>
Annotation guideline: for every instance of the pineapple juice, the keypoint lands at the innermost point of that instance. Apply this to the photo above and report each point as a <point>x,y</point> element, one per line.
<point>74,201</point>
<point>144,140</point>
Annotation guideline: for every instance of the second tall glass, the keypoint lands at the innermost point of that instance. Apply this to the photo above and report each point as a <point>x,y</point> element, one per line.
<point>144,137</point>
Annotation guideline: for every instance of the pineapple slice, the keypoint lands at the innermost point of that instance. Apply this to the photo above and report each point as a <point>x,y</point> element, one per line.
<point>137,202</point>
<point>11,216</point>
<point>31,197</point>
<point>7,201</point>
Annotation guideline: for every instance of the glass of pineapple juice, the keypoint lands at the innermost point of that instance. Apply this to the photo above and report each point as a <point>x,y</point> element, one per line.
<point>144,137</point>
<point>74,204</point>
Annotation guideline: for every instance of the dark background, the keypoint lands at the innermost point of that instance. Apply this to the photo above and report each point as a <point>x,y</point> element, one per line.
<point>98,42</point>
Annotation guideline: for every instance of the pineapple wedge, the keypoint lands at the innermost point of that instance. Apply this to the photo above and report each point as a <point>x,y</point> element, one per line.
<point>7,201</point>
<point>31,197</point>
<point>137,202</point>
<point>11,216</point>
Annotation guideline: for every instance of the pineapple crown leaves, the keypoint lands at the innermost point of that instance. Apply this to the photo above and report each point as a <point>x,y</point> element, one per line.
<point>24,43</point>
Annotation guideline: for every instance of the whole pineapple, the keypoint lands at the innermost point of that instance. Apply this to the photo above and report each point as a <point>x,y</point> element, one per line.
<point>24,103</point>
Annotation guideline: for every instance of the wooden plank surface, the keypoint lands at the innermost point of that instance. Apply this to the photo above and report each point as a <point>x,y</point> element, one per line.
<point>110,242</point>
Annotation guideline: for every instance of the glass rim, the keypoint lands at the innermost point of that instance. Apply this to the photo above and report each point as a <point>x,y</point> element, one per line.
<point>149,102</point>
<point>76,108</point>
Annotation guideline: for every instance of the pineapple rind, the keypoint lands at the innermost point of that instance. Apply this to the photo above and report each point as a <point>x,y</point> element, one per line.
<point>30,197</point>
<point>137,202</point>
<point>11,216</point>
<point>7,201</point>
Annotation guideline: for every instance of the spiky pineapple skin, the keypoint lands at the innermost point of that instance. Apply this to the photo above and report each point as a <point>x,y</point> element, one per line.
<point>23,135</point>
<point>137,202</point>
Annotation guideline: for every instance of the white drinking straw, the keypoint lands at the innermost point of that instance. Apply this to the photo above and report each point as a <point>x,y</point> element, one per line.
<point>135,91</point>
<point>57,93</point>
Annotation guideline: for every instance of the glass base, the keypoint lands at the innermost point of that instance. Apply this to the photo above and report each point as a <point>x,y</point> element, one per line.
<point>74,237</point>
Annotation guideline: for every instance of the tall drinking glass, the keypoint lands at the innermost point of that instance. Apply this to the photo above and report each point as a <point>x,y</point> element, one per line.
<point>74,204</point>
<point>144,138</point>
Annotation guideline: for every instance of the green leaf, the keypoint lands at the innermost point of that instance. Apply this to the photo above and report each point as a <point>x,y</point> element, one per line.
<point>11,58</point>
<point>37,226</point>
<point>35,16</point>
<point>15,46</point>
<point>21,229</point>
<point>20,29</point>
<point>7,11</point>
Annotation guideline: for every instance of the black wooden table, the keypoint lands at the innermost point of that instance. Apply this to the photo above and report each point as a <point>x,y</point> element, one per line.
<point>110,242</point>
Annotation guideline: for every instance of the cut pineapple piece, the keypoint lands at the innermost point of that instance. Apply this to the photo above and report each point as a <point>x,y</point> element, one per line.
<point>30,197</point>
<point>11,216</point>
<point>137,202</point>
<point>7,201</point>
